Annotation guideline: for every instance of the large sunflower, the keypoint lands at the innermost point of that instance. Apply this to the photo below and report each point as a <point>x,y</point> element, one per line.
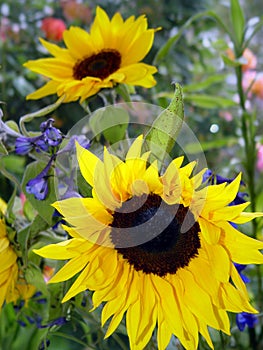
<point>109,54</point>
<point>156,247</point>
<point>12,284</point>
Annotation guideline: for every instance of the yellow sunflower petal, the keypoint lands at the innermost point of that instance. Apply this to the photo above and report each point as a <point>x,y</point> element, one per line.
<point>4,243</point>
<point>138,74</point>
<point>8,258</point>
<point>80,211</point>
<point>243,249</point>
<point>55,50</point>
<point>51,68</point>
<point>61,251</point>
<point>201,304</point>
<point>234,301</point>
<point>246,217</point>
<point>138,50</point>
<point>87,163</point>
<point>78,42</point>
<point>70,269</point>
<point>209,231</point>
<point>230,213</point>
<point>48,89</point>
<point>152,178</point>
<point>164,332</point>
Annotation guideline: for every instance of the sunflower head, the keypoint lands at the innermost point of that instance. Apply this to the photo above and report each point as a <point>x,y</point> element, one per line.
<point>13,286</point>
<point>159,248</point>
<point>110,54</point>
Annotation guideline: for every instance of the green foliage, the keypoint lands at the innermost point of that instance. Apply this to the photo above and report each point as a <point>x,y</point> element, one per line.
<point>161,137</point>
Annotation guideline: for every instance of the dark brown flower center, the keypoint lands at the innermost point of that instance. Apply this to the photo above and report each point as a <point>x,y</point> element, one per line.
<point>155,237</point>
<point>100,65</point>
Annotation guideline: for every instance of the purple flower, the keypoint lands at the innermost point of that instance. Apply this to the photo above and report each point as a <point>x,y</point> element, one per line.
<point>41,145</point>
<point>38,186</point>
<point>44,344</point>
<point>52,136</point>
<point>57,322</point>
<point>24,145</point>
<point>244,318</point>
<point>81,139</point>
<point>240,268</point>
<point>21,323</point>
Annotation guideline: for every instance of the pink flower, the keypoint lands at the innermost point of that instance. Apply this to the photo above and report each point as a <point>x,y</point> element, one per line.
<point>74,10</point>
<point>260,158</point>
<point>53,28</point>
<point>226,115</point>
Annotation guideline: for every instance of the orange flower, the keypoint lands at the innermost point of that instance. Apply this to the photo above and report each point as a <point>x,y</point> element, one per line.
<point>251,60</point>
<point>253,82</point>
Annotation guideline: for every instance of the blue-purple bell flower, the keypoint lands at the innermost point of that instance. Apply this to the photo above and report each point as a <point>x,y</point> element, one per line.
<point>52,136</point>
<point>240,268</point>
<point>244,319</point>
<point>24,145</point>
<point>57,322</point>
<point>38,186</point>
<point>44,344</point>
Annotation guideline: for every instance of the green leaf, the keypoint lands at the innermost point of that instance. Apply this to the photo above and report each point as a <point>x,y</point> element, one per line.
<point>161,137</point>
<point>10,204</point>
<point>38,225</point>
<point>124,91</point>
<point>3,150</point>
<point>15,164</point>
<point>238,22</point>
<point>44,207</point>
<point>29,211</point>
<point>217,78</point>
<point>34,276</point>
<point>208,101</point>
<point>12,125</point>
<point>110,121</point>
<point>164,50</point>
<point>206,146</point>
<point>231,63</point>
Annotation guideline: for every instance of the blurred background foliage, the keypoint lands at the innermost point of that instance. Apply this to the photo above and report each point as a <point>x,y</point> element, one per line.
<point>190,54</point>
<point>194,60</point>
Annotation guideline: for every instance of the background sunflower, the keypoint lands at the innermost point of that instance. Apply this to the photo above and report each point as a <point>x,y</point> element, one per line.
<point>110,54</point>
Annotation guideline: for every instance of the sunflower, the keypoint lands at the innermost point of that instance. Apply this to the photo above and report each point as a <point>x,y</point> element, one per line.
<point>108,55</point>
<point>12,285</point>
<point>159,248</point>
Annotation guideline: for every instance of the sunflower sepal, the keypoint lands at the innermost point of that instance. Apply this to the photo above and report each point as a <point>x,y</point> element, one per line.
<point>161,137</point>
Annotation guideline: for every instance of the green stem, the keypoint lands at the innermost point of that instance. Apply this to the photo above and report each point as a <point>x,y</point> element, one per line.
<point>69,337</point>
<point>119,341</point>
<point>247,127</point>
<point>41,113</point>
